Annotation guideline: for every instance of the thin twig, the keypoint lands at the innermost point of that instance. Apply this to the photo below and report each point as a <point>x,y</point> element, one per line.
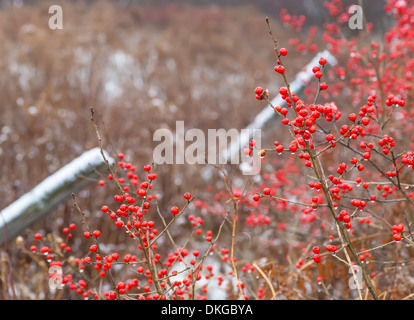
<point>95,240</point>
<point>267,280</point>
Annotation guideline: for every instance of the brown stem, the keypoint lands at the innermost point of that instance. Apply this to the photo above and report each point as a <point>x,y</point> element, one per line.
<point>145,250</point>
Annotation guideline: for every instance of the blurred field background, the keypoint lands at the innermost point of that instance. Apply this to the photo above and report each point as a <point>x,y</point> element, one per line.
<point>142,65</point>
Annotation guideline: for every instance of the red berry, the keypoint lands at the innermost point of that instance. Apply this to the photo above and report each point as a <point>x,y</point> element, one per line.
<point>352,117</point>
<point>365,121</point>
<point>317,258</point>
<point>280,69</point>
<point>187,195</point>
<point>283,91</point>
<point>175,210</point>
<point>152,176</point>
<point>258,90</point>
<point>283,51</point>
<point>247,151</point>
<point>119,223</point>
<point>316,250</point>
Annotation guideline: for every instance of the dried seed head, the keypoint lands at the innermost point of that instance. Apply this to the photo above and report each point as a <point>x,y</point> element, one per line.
<point>262,153</point>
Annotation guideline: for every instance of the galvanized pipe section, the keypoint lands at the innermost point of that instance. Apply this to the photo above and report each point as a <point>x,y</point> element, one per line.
<point>51,192</point>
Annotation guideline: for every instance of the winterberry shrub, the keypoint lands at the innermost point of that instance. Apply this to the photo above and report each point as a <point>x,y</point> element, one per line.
<point>353,176</point>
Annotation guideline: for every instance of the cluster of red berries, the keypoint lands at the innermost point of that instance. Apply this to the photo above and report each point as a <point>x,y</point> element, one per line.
<point>408,159</point>
<point>131,218</point>
<point>316,257</point>
<point>397,230</point>
<point>261,93</point>
<point>386,143</point>
<point>363,256</point>
<point>392,100</point>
